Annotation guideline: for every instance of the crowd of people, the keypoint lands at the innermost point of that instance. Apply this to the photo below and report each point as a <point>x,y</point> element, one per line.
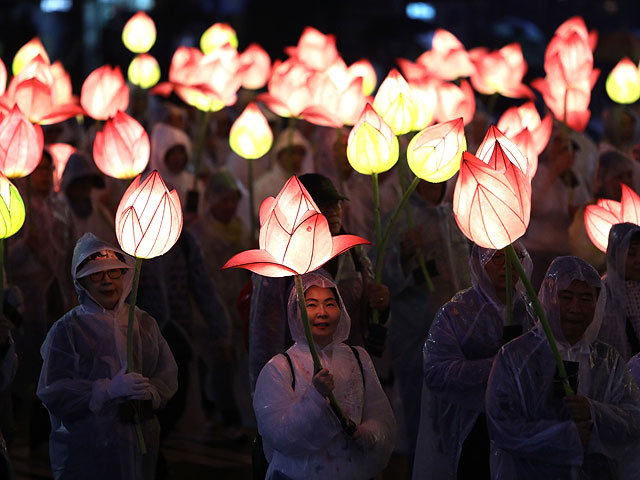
<point>456,376</point>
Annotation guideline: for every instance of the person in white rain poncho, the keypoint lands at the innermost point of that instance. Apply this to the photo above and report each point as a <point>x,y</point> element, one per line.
<point>302,436</point>
<point>84,384</point>
<point>465,336</point>
<point>536,431</point>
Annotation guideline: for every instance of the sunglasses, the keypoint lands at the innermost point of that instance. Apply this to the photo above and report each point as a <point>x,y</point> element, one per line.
<point>113,274</point>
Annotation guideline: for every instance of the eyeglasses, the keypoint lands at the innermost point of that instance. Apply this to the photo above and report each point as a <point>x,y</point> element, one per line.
<point>113,274</point>
<point>498,258</point>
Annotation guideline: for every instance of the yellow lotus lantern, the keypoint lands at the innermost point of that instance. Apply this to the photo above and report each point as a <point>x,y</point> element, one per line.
<point>394,101</point>
<point>28,52</point>
<point>216,36</point>
<point>623,83</point>
<point>139,33</point>
<point>250,135</point>
<point>144,71</point>
<point>372,146</point>
<point>434,154</point>
<point>11,208</point>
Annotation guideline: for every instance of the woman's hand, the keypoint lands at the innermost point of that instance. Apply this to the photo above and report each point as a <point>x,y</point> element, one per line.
<point>323,382</point>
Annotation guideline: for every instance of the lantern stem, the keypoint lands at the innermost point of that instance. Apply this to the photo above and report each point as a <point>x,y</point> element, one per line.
<point>510,253</point>
<point>132,308</point>
<point>291,127</point>
<point>509,291</point>
<point>346,423</point>
<point>339,159</point>
<point>252,212</point>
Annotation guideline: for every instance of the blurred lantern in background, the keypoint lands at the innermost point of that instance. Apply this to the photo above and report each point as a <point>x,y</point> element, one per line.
<point>104,93</point>
<point>315,50</point>
<point>425,94</point>
<point>447,59</point>
<point>623,83</point>
<point>394,102</point>
<point>60,153</point>
<point>144,71</point>
<point>363,68</point>
<point>599,218</point>
<point>122,148</point>
<point>27,53</point>
<point>500,71</point>
<point>454,102</point>
<point>434,153</point>
<point>21,145</point>
<point>3,77</point>
<point>255,65</point>
<point>288,87</point>
<point>139,33</point>
<point>12,211</point>
<point>216,36</point>
<point>250,135</point>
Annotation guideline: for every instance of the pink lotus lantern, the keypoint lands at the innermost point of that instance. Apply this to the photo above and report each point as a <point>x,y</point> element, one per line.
<point>30,50</point>
<point>315,50</point>
<point>447,59</point>
<point>500,71</point>
<point>294,236</point>
<point>363,68</point>
<point>425,95</point>
<point>496,150</point>
<point>21,145</point>
<point>516,119</point>
<point>104,93</point>
<point>599,218</point>
<point>569,104</point>
<point>122,148</point>
<point>62,84</point>
<point>255,65</point>
<point>454,102</point>
<point>60,153</point>
<point>149,218</point>
<point>289,92</point>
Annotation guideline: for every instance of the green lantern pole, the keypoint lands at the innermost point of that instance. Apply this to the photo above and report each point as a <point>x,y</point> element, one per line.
<point>509,291</point>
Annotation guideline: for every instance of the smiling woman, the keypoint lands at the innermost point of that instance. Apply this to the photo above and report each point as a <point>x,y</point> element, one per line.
<point>324,313</point>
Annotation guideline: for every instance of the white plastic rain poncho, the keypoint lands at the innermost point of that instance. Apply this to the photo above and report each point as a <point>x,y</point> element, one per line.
<point>83,351</point>
<point>458,353</point>
<point>163,138</point>
<point>302,436</point>
<point>533,436</point>
<point>621,321</point>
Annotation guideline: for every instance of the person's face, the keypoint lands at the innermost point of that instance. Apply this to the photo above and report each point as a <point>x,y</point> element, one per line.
<point>577,306</point>
<point>632,265</point>
<point>333,213</point>
<point>42,176</point>
<point>324,314</point>
<point>103,288</point>
<point>176,159</point>
<point>226,206</point>
<point>291,158</point>
<point>497,272</point>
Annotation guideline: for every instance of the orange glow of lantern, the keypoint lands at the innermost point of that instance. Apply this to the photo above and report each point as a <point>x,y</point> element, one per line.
<point>395,103</point>
<point>496,149</point>
<point>60,153</point>
<point>447,59</point>
<point>144,71</point>
<point>122,148</point>
<point>623,83</point>
<point>12,212</point>
<point>21,145</point>
<point>492,206</point>
<point>454,102</point>
<point>294,236</point>
<point>363,68</point>
<point>372,146</point>
<point>104,93</point>
<point>27,53</point>
<point>315,50</point>
<point>516,119</point>
<point>216,36</point>
<point>139,33</point>
<point>250,135</point>
<point>434,154</point>
<point>289,92</point>
<point>500,71</point>
<point>149,218</point>
<point>255,65</point>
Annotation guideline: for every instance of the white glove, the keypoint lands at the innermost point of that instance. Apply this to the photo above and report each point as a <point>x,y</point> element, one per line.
<point>132,386</point>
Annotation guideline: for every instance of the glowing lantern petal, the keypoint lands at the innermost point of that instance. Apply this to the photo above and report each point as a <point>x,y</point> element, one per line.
<point>395,103</point>
<point>61,84</point>
<point>363,68</point>
<point>255,64</point>
<point>294,236</point>
<point>492,206</point>
<point>524,143</point>
<point>144,71</point>
<point>630,203</point>
<point>60,152</point>
<point>21,145</point>
<point>250,135</point>
<point>623,83</point>
<point>289,92</point>
<point>149,218</point>
<point>28,52</point>
<point>139,33</point>
<point>500,72</point>
<point>434,154</point>
<point>454,102</point>
<point>496,149</point>
<point>425,94</point>
<point>516,119</point>
<point>372,146</point>
<point>598,220</point>
<point>3,77</point>
<point>104,93</point>
<point>12,211</point>
<point>216,36</point>
<point>122,148</point>
<point>315,50</point>
<point>447,59</point>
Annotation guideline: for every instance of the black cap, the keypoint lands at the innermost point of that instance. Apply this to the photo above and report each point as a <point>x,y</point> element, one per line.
<point>321,188</point>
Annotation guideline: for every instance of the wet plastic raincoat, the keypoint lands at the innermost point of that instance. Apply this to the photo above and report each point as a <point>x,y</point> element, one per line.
<point>83,351</point>
<point>463,340</point>
<point>621,322</point>
<point>302,436</point>
<point>533,435</point>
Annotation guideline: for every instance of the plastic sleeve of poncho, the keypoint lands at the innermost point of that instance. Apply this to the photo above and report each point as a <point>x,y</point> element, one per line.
<point>447,372</point>
<point>545,440</point>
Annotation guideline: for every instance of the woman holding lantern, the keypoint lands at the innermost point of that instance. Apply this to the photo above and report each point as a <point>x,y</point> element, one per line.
<point>93,402</point>
<point>303,438</point>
